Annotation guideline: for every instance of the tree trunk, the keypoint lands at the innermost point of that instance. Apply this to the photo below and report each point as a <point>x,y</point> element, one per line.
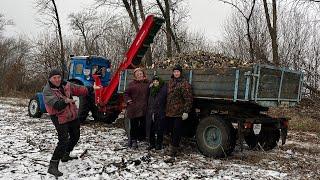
<point>272,30</point>
<point>148,56</point>
<point>143,16</point>
<point>62,61</point>
<point>134,18</point>
<point>249,34</point>
<point>166,14</point>
<point>131,15</point>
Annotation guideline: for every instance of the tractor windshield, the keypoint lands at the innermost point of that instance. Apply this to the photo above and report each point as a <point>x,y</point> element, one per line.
<point>101,70</point>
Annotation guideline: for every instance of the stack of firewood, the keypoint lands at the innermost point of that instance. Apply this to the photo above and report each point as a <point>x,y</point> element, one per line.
<point>199,60</point>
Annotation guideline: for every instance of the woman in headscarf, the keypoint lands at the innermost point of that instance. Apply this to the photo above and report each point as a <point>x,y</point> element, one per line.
<point>156,113</point>
<point>136,97</point>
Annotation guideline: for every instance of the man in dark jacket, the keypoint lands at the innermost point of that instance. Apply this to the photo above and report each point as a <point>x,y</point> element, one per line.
<point>156,113</point>
<point>179,103</point>
<point>63,113</point>
<point>136,97</point>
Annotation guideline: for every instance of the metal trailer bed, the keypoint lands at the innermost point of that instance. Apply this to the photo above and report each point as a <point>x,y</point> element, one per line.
<point>265,85</point>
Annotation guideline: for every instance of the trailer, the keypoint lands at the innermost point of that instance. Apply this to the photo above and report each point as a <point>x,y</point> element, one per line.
<point>231,104</point>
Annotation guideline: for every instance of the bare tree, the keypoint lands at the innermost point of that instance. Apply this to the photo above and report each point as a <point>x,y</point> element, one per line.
<point>245,4</point>
<point>135,17</point>
<point>91,27</point>
<point>49,9</point>
<point>165,10</point>
<point>4,22</point>
<point>44,54</point>
<point>172,11</point>
<point>272,27</point>
<point>14,54</point>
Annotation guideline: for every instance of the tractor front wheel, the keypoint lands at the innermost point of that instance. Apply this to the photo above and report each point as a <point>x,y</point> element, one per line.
<point>34,107</point>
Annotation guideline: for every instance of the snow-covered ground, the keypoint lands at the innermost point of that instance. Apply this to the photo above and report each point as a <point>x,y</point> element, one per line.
<point>26,145</point>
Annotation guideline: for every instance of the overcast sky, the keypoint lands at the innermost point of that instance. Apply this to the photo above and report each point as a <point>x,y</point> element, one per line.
<point>207,16</point>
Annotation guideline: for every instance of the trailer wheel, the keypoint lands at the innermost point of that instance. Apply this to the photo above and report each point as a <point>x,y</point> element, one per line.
<point>214,137</point>
<point>34,107</point>
<point>269,136</point>
<point>251,139</point>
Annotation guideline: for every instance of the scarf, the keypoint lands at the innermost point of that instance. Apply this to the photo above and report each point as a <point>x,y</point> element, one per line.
<point>155,89</point>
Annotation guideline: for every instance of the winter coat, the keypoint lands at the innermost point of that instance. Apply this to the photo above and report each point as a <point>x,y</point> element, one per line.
<point>156,108</point>
<point>179,98</point>
<point>138,93</point>
<point>54,99</point>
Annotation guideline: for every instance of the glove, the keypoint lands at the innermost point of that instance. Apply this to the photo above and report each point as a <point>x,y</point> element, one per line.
<point>184,116</point>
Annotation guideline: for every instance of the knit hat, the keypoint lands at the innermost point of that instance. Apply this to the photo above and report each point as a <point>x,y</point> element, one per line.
<point>177,67</point>
<point>155,77</point>
<point>155,89</point>
<point>54,72</point>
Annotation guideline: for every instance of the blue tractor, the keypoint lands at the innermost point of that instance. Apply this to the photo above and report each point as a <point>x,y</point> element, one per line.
<point>81,70</point>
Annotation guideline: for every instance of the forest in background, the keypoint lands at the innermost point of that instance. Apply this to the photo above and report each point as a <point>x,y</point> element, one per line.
<point>282,33</point>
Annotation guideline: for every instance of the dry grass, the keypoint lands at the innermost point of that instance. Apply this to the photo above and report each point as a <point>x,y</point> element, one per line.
<point>305,117</point>
<point>300,123</point>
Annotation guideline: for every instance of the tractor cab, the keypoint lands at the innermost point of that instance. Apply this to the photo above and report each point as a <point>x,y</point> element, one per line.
<point>82,68</point>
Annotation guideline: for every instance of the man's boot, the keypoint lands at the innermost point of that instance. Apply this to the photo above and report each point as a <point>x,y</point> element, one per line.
<point>53,168</point>
<point>151,146</point>
<point>66,157</point>
<point>159,143</point>
<point>134,144</point>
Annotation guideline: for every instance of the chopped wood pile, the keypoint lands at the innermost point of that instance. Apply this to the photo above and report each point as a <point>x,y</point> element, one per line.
<point>200,60</point>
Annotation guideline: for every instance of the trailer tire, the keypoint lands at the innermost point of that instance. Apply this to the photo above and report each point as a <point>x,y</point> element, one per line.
<point>251,139</point>
<point>269,136</point>
<point>34,107</point>
<point>214,137</point>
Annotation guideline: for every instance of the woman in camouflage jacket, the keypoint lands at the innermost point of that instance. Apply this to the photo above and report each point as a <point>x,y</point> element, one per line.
<point>179,103</point>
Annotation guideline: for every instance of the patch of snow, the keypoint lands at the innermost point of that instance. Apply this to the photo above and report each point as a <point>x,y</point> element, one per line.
<point>27,144</point>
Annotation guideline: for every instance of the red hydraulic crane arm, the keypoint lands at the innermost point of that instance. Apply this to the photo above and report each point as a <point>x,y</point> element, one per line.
<point>132,59</point>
